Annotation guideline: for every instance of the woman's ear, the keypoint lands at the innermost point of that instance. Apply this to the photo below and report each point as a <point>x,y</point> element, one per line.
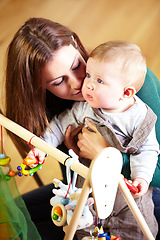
<point>129,92</point>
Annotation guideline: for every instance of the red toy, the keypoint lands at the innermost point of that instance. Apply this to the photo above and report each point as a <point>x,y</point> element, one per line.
<point>131,186</point>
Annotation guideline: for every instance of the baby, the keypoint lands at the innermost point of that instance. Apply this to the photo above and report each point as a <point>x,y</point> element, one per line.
<point>115,72</point>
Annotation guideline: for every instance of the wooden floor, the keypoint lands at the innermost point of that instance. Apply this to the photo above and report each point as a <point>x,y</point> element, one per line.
<point>95,21</point>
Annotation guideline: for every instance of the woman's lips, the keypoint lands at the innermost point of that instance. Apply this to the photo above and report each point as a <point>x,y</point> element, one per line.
<point>78,93</point>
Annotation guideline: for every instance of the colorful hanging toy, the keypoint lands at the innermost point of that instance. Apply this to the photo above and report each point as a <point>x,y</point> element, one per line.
<point>65,200</point>
<point>27,162</point>
<point>5,161</point>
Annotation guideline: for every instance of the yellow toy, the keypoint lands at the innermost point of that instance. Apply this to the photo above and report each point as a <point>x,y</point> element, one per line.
<point>26,162</point>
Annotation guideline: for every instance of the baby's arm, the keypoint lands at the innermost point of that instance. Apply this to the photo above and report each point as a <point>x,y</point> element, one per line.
<point>143,163</point>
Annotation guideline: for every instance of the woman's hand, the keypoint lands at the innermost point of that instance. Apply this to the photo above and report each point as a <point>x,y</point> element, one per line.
<point>92,142</point>
<point>71,138</point>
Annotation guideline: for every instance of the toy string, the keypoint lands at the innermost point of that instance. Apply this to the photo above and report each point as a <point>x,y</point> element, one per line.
<point>1,140</point>
<point>32,148</point>
<point>68,189</point>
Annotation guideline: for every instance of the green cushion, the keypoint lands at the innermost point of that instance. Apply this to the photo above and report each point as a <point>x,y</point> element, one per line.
<point>150,94</point>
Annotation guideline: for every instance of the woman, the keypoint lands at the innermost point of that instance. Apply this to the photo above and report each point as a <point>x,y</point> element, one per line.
<point>46,63</point>
<point>29,55</point>
<point>32,47</point>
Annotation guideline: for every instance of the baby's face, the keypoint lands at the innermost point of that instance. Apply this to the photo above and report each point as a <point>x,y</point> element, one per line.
<point>102,87</point>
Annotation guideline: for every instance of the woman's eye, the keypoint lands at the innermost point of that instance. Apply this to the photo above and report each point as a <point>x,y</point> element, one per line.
<point>88,75</point>
<point>76,66</point>
<point>99,80</point>
<point>58,82</point>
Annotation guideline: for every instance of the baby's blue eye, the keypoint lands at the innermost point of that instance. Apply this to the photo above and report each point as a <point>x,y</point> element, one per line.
<point>88,75</point>
<point>99,80</point>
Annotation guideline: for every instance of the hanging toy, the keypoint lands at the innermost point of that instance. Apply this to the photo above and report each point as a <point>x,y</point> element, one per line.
<point>5,161</point>
<point>65,200</point>
<point>27,162</point>
<point>59,214</point>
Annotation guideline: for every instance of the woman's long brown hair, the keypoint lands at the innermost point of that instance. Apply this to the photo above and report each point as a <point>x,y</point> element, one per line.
<point>31,48</point>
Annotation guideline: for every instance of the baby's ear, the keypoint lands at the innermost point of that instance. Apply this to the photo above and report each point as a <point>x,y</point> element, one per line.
<point>129,92</point>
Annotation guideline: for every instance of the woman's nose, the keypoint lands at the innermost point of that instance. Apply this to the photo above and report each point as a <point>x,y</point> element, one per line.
<point>75,83</point>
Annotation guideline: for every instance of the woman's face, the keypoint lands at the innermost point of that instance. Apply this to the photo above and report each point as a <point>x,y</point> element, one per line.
<point>64,74</point>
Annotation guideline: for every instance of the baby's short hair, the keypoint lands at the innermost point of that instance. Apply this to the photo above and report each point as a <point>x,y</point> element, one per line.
<point>129,60</point>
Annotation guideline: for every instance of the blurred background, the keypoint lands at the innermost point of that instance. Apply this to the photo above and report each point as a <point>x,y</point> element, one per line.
<point>95,21</point>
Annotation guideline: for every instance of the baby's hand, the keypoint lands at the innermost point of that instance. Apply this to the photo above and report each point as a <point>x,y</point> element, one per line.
<point>37,154</point>
<point>142,185</point>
